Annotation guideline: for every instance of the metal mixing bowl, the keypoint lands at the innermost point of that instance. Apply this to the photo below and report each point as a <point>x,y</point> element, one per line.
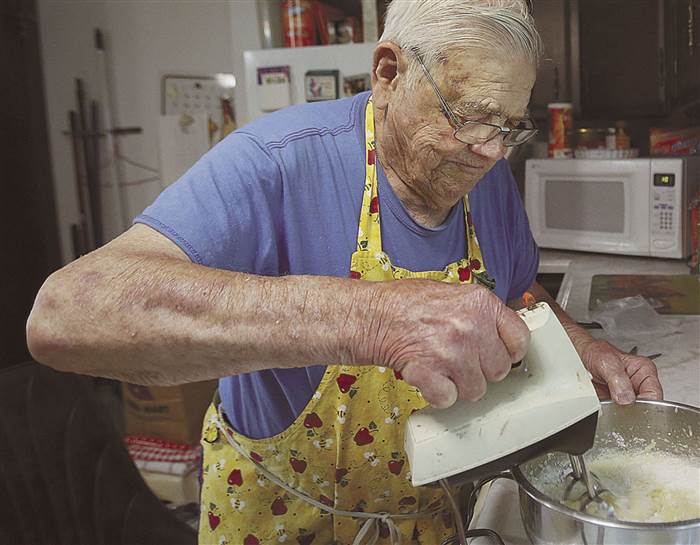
<point>676,430</point>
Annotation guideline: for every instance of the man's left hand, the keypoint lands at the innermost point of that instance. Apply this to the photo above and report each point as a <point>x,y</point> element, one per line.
<point>619,375</point>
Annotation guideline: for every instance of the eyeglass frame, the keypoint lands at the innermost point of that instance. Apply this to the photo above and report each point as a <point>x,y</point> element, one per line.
<point>458,124</point>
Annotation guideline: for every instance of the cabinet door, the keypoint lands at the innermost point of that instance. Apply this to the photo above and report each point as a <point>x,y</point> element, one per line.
<point>686,38</point>
<point>622,58</point>
<point>552,84</point>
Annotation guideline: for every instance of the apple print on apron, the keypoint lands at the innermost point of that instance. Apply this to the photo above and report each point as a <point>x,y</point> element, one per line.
<point>338,474</point>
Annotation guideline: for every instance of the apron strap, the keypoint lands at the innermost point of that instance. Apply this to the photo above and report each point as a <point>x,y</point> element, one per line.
<point>369,231</point>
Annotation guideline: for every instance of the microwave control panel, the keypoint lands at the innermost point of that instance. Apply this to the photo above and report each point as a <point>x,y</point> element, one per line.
<point>665,210</point>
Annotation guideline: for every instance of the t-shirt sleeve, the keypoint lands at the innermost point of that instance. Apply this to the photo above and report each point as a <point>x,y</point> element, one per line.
<point>224,212</point>
<point>526,257</point>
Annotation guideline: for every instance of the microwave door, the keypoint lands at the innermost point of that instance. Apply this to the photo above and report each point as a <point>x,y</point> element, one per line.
<point>596,207</point>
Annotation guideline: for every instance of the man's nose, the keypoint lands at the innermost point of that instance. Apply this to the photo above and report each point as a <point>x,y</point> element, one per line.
<point>493,149</point>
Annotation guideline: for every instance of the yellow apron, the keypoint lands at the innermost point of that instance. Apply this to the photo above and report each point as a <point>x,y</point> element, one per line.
<point>338,475</point>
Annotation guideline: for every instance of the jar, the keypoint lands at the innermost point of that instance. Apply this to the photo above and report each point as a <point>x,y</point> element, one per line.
<point>589,138</point>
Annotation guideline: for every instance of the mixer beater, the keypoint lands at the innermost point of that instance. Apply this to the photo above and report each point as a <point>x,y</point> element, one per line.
<point>591,500</point>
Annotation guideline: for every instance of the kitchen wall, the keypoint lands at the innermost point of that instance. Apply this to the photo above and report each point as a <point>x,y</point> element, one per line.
<point>145,40</point>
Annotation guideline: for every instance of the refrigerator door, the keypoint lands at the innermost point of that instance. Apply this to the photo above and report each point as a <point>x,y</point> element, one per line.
<point>348,59</point>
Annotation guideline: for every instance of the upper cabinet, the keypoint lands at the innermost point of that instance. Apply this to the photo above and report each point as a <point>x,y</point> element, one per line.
<point>622,58</point>
<point>684,43</point>
<point>617,59</point>
<point>553,82</point>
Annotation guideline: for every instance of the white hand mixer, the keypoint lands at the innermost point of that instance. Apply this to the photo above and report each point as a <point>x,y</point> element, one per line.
<point>547,403</point>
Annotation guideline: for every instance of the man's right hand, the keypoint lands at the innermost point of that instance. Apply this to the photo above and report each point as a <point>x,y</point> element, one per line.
<point>447,340</point>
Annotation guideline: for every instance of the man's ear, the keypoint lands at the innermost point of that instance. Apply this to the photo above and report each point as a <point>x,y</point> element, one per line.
<point>388,68</point>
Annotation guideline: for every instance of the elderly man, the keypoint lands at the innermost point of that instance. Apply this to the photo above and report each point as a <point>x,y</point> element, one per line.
<point>265,264</point>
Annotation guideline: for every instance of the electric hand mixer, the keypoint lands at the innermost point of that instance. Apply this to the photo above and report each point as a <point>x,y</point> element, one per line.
<point>547,403</point>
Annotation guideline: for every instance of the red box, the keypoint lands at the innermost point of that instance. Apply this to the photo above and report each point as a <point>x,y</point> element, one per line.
<point>674,141</point>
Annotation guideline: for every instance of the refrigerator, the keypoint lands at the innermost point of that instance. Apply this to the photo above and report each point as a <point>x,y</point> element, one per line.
<point>348,59</point>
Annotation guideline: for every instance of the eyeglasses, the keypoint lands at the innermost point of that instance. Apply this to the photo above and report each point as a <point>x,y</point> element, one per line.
<point>478,132</point>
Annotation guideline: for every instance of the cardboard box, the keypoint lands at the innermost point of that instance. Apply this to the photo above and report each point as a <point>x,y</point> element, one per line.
<point>674,141</point>
<point>169,412</point>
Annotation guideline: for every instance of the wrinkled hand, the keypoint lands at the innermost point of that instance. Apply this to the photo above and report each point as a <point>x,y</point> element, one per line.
<point>619,375</point>
<point>448,340</point>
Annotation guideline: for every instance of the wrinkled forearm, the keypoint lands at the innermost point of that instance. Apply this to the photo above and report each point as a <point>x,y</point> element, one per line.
<point>162,320</point>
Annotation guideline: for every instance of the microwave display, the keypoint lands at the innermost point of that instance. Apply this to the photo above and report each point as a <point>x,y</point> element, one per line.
<point>585,206</point>
<point>664,180</point>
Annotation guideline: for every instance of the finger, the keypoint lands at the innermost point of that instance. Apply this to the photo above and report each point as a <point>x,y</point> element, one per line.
<point>514,334</point>
<point>612,371</point>
<point>470,381</point>
<point>437,389</point>
<point>495,362</point>
<point>650,388</point>
<point>645,378</point>
<point>601,391</point>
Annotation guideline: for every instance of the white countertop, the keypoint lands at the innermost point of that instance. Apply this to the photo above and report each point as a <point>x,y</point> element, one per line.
<point>679,365</point>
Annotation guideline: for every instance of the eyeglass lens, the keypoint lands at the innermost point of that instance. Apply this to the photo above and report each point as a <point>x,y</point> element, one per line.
<point>478,134</point>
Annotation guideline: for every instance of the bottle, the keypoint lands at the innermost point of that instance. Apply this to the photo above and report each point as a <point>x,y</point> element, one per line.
<point>611,138</point>
<point>621,138</point>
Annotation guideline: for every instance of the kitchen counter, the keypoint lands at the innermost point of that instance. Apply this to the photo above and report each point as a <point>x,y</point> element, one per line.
<point>679,365</point>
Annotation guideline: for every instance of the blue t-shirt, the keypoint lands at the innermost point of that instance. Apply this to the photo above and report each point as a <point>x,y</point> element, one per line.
<point>282,196</point>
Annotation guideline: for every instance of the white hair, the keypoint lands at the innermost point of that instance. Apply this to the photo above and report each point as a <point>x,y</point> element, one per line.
<point>437,28</point>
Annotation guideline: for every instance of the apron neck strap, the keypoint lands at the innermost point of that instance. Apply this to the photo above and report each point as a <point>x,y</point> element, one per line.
<point>369,233</point>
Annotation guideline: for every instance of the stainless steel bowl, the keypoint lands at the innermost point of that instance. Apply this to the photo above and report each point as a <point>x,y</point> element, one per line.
<point>673,426</point>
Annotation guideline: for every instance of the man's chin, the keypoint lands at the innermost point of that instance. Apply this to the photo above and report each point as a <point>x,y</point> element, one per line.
<point>465,175</point>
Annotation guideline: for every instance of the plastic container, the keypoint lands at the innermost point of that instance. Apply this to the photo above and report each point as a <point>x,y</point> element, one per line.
<point>602,153</point>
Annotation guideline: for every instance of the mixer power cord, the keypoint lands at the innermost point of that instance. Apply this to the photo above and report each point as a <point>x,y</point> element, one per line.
<point>461,534</point>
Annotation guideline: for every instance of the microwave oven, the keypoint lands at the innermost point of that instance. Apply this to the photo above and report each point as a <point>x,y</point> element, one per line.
<point>616,206</point>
